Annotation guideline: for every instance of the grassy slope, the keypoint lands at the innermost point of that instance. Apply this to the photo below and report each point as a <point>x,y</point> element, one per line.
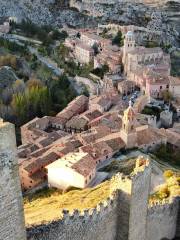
<point>47,205</point>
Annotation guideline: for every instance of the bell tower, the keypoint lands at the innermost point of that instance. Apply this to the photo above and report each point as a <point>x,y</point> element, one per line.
<point>129,45</point>
<point>128,131</point>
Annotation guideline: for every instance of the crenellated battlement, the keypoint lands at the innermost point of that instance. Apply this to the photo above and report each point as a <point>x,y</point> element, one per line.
<point>162,219</point>
<point>141,166</point>
<point>162,204</point>
<point>125,213</point>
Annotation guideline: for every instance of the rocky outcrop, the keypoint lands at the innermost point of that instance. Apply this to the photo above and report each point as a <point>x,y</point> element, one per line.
<point>54,12</point>
<point>82,13</point>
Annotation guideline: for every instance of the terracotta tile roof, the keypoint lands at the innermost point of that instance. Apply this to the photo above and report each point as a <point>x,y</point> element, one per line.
<point>97,150</point>
<point>80,100</point>
<point>58,120</point>
<point>73,107</point>
<point>65,114</point>
<point>77,122</point>
<point>38,176</point>
<point>149,135</point>
<point>101,100</point>
<point>173,137</point>
<point>85,166</point>
<point>52,137</point>
<point>40,152</point>
<point>94,134</point>
<point>90,115</point>
<point>116,144</point>
<point>33,165</point>
<point>80,162</point>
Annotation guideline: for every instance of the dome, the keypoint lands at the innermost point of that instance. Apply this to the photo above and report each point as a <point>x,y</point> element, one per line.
<point>130,34</point>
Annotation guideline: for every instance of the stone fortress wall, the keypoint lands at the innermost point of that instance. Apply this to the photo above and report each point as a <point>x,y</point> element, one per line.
<point>124,215</point>
<point>11,210</point>
<point>162,220</point>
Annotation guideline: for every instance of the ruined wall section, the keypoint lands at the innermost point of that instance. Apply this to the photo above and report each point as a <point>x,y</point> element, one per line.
<point>162,220</point>
<point>12,225</point>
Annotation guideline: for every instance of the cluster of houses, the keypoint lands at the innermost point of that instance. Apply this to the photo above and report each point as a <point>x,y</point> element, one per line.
<point>92,48</point>
<point>68,149</point>
<point>147,69</point>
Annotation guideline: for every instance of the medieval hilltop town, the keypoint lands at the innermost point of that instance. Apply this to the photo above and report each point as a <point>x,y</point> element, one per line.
<point>106,141</point>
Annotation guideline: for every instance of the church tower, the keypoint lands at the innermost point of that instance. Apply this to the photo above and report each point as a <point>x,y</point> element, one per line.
<point>128,131</point>
<point>129,45</point>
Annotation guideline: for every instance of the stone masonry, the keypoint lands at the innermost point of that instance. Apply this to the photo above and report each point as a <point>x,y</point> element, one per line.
<point>125,215</point>
<point>11,210</point>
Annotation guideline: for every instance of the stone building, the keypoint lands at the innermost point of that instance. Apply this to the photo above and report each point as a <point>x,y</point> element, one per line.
<point>134,55</point>
<point>143,137</point>
<point>12,226</point>
<point>148,68</point>
<point>83,53</point>
<point>126,87</point>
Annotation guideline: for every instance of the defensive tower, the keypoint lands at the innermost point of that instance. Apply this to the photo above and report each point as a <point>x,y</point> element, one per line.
<point>12,225</point>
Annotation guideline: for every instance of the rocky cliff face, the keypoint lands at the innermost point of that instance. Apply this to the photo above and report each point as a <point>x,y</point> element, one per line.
<point>42,11</point>
<point>81,13</point>
<point>164,17</point>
